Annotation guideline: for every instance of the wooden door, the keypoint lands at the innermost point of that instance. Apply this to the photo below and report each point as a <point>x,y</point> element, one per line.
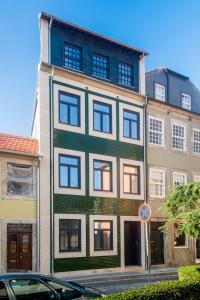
<point>132,243</point>
<point>157,243</point>
<point>19,247</point>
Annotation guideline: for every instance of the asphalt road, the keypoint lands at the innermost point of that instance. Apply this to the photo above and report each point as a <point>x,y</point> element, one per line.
<point>116,286</point>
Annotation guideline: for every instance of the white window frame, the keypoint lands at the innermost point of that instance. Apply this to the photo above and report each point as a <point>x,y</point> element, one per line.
<point>186,101</point>
<point>196,178</point>
<point>175,173</point>
<point>91,99</point>
<point>174,136</point>
<point>198,142</point>
<point>139,164</point>
<point>111,159</point>
<point>132,108</point>
<point>114,251</point>
<point>68,127</point>
<point>186,242</point>
<point>158,96</point>
<point>63,190</point>
<point>155,169</point>
<point>81,253</point>
<point>156,132</point>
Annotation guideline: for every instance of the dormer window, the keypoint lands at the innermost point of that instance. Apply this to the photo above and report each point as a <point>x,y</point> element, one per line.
<point>72,57</point>
<point>186,101</point>
<point>100,65</point>
<point>159,92</point>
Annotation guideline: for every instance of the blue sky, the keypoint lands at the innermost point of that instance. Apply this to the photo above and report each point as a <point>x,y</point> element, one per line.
<point>168,30</point>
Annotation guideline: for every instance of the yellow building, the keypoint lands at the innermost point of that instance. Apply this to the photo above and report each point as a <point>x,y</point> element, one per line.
<point>19,162</point>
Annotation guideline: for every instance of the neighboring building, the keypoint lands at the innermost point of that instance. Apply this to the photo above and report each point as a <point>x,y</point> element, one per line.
<point>88,119</point>
<point>19,161</point>
<point>173,157</point>
<point>172,88</point>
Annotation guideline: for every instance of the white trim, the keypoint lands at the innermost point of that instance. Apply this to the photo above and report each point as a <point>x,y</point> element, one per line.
<point>68,191</point>
<point>104,252</point>
<point>193,141</point>
<point>110,136</point>
<point>81,253</point>
<point>161,96</point>
<point>164,182</point>
<point>111,159</point>
<point>131,218</point>
<point>139,164</point>
<point>67,127</point>
<point>161,133</point>
<point>177,123</point>
<point>132,108</point>
<point>186,101</point>
<point>179,173</point>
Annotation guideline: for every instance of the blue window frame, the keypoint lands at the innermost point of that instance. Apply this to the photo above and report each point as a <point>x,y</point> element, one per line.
<point>102,171</point>
<point>102,117</point>
<point>69,171</point>
<point>125,74</point>
<point>131,124</point>
<point>69,109</point>
<point>69,235</point>
<point>72,57</point>
<point>100,66</point>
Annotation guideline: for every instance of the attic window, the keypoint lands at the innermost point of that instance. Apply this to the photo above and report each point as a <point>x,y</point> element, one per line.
<point>19,180</point>
<point>186,101</point>
<point>159,92</point>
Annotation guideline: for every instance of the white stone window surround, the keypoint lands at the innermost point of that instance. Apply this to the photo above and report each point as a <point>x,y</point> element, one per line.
<point>102,99</point>
<point>103,252</point>
<point>81,253</point>
<point>186,101</point>
<point>132,219</point>
<point>63,190</point>
<point>139,164</point>
<point>159,92</point>
<point>122,107</point>
<point>179,175</point>
<point>180,124</point>
<point>60,88</point>
<point>196,141</point>
<point>161,133</point>
<point>163,185</point>
<point>111,159</point>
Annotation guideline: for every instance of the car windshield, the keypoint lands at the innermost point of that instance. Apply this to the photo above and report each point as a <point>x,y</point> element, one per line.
<point>65,292</point>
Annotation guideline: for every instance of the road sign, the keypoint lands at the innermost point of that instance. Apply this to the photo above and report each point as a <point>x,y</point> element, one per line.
<point>144,213</point>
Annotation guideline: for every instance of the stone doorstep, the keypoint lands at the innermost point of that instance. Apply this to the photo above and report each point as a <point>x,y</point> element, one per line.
<point>123,276</point>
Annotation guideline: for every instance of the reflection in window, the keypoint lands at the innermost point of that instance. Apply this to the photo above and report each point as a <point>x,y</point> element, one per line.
<point>69,171</point>
<point>102,175</point>
<point>70,235</point>
<point>3,292</point>
<point>103,235</point>
<point>131,124</point>
<point>131,179</point>
<point>69,109</point>
<point>19,180</point>
<point>102,118</point>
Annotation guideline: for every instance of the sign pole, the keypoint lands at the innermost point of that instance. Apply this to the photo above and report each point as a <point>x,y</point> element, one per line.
<point>148,254</point>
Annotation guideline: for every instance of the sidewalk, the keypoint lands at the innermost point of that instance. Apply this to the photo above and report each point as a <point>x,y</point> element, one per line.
<point>123,275</point>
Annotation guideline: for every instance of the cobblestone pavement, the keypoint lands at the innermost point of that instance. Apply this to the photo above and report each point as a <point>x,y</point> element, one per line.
<point>117,286</point>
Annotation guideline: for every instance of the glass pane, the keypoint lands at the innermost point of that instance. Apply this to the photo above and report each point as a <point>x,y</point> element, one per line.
<point>74,177</point>
<point>65,292</point>
<point>29,289</point>
<point>134,183</point>
<point>130,115</point>
<point>64,241</point>
<point>70,99</point>
<point>64,113</point>
<point>106,123</point>
<point>134,130</point>
<point>74,240</point>
<point>69,160</point>
<point>102,107</point>
<point>130,169</point>
<point>101,165</point>
<point>106,181</point>
<point>74,115</point>
<point>102,224</point>
<point>25,243</point>
<point>70,224</point>
<point>106,240</point>
<point>126,128</point>
<point>97,240</point>
<point>64,181</point>
<point>97,180</point>
<point>127,187</point>
<point>97,121</point>
<point>3,292</point>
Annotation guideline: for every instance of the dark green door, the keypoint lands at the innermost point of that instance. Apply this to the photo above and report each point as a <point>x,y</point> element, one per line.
<point>157,243</point>
<point>132,243</point>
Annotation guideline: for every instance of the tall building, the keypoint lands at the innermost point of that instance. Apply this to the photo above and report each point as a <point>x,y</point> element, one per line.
<point>19,169</point>
<point>173,157</point>
<point>89,116</point>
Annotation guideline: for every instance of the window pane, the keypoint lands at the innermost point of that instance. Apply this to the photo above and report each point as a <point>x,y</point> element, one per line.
<point>64,113</point>
<point>97,180</point>
<point>97,240</point>
<point>127,186</point>
<point>64,176</point>
<point>74,115</point>
<point>69,99</point>
<point>97,121</point>
<point>65,292</point>
<point>130,169</point>
<point>106,240</point>
<point>106,181</point>
<point>69,160</point>
<point>131,115</point>
<point>124,74</point>
<point>134,184</point>
<point>69,235</point>
<point>72,57</point>
<point>3,292</point>
<point>74,177</point>
<point>101,107</point>
<point>99,66</point>
<point>106,123</point>
<point>103,235</point>
<point>126,128</point>
<point>29,289</point>
<point>134,130</point>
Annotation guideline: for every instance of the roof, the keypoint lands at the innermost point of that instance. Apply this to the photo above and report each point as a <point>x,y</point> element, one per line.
<point>160,69</point>
<point>19,144</point>
<point>92,33</point>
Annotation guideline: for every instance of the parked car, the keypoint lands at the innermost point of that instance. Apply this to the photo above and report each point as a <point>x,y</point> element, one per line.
<point>29,286</point>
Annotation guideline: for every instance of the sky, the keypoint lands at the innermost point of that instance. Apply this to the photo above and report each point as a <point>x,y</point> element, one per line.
<point>168,29</point>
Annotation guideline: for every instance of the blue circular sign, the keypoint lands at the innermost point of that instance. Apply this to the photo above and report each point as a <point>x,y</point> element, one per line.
<point>145,212</point>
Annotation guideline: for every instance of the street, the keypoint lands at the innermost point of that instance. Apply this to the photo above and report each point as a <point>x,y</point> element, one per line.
<point>116,286</point>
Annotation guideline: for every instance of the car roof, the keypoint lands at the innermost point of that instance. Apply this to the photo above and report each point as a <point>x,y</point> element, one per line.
<point>22,275</point>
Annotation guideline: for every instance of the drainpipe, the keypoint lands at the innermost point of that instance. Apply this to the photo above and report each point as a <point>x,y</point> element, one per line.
<point>49,41</point>
<point>38,216</point>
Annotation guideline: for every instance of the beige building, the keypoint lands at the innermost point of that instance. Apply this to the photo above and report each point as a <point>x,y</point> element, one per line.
<point>19,162</point>
<point>173,156</point>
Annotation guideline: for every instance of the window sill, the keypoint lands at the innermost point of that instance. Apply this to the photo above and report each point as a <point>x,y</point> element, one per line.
<point>17,197</point>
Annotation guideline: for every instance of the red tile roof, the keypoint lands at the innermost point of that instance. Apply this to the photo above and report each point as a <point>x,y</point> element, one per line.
<point>21,144</point>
